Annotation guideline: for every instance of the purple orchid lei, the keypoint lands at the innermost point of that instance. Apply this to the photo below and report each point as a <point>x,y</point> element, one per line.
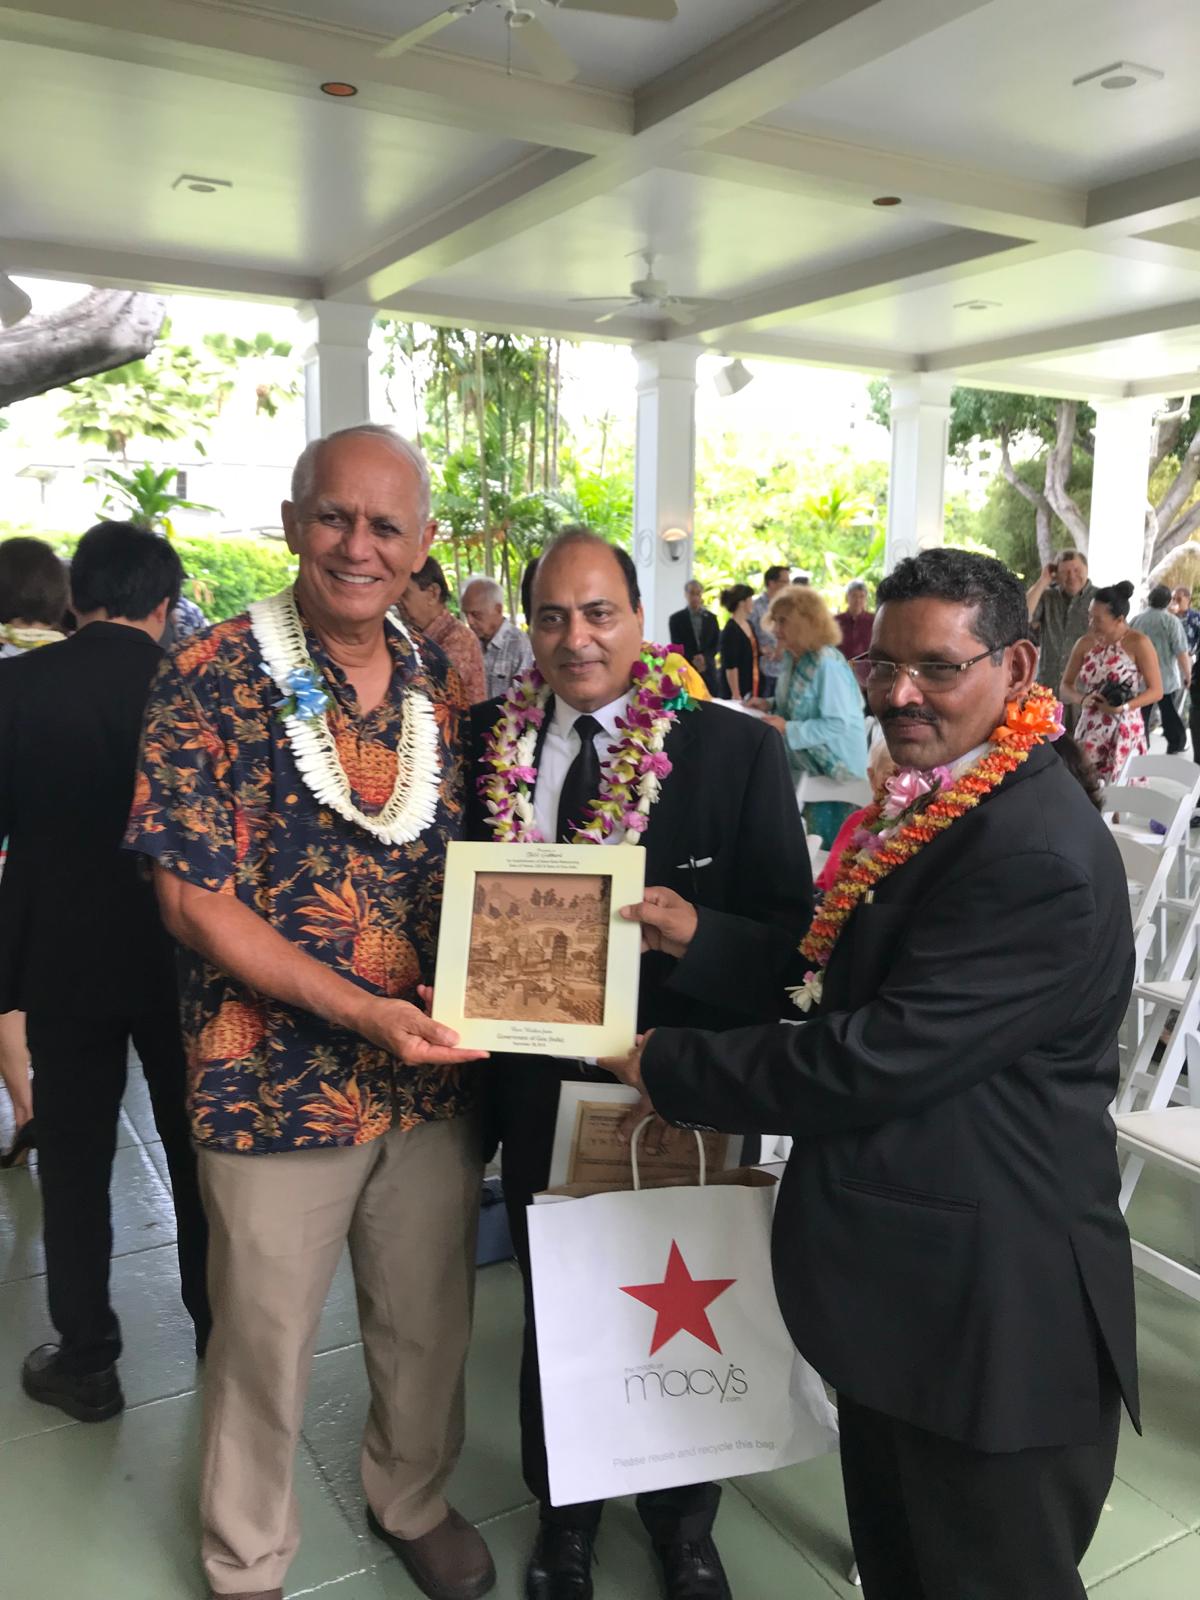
<point>631,774</point>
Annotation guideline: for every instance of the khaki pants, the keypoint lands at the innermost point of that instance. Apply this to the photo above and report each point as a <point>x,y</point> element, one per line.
<point>408,1205</point>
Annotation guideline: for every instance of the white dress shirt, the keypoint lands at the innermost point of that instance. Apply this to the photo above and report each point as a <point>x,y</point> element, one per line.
<point>559,749</point>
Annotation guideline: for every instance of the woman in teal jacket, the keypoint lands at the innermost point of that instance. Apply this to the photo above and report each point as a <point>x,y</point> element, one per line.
<point>818,705</point>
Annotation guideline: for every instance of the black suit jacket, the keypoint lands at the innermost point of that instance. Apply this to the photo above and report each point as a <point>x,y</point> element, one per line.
<point>947,1236</point>
<point>726,835</point>
<point>79,927</point>
<point>683,637</point>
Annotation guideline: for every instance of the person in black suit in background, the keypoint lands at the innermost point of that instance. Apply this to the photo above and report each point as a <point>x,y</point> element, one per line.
<point>949,1253</point>
<point>83,952</point>
<point>696,634</point>
<point>724,834</point>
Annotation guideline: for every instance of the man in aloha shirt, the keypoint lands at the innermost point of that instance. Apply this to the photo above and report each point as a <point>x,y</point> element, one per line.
<point>327,1107</point>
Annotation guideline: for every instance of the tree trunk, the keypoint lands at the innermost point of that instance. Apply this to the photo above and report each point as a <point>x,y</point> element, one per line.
<point>546,425</point>
<point>1041,506</point>
<point>1058,471</point>
<point>557,400</point>
<point>104,329</point>
<point>1173,528</point>
<point>485,498</point>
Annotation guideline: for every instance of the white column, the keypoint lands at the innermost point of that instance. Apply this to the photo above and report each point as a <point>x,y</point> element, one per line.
<point>664,480</point>
<point>917,483</point>
<point>1120,478</point>
<point>336,389</point>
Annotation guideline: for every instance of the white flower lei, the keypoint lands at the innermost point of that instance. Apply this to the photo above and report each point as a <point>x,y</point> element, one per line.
<point>412,804</point>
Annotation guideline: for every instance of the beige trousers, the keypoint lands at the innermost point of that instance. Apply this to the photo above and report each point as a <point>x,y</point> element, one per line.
<point>408,1205</point>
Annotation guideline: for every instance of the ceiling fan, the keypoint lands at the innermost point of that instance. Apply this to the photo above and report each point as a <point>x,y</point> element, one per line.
<point>648,294</point>
<point>546,56</point>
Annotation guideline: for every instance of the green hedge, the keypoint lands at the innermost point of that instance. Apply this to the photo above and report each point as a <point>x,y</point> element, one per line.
<point>224,575</point>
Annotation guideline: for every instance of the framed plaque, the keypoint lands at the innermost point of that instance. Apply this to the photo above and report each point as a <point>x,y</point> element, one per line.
<point>532,956</point>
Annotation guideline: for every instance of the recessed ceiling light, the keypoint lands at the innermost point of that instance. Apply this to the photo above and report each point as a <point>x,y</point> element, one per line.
<point>339,91</point>
<point>200,185</point>
<point>976,305</point>
<point>887,200</point>
<point>1118,75</point>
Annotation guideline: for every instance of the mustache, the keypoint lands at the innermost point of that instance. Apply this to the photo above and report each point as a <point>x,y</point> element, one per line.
<point>908,713</point>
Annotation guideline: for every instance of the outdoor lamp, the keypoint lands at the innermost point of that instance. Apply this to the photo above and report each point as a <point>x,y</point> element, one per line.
<point>674,539</point>
<point>15,304</point>
<point>732,377</point>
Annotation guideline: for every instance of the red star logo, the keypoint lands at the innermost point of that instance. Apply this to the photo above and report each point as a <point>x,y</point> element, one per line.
<point>680,1302</point>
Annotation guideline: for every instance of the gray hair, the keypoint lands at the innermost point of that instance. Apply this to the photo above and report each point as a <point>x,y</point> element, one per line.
<point>305,471</point>
<point>492,591</point>
<point>856,586</point>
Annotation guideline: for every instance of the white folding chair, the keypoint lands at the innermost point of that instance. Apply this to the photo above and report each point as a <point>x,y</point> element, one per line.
<point>1130,809</point>
<point>851,791</point>
<point>1159,1059</point>
<point>1167,1136</point>
<point>1161,770</point>
<point>1147,872</point>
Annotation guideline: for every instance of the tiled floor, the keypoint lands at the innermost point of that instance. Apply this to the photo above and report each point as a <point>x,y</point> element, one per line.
<point>109,1511</point>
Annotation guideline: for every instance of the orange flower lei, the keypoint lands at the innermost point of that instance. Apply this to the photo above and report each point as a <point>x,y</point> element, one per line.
<point>1027,723</point>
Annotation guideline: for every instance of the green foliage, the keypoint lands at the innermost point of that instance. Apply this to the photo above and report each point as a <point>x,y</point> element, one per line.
<point>274,383</point>
<point>749,517</point>
<point>175,393</point>
<point>223,575</point>
<point>154,398</point>
<point>145,497</point>
<point>226,574</point>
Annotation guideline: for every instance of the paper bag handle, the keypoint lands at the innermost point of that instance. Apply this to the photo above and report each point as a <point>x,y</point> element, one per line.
<point>633,1153</point>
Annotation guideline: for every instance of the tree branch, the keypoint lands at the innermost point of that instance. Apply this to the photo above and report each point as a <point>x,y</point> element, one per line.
<point>1179,493</point>
<point>1177,533</point>
<point>1166,433</point>
<point>105,329</point>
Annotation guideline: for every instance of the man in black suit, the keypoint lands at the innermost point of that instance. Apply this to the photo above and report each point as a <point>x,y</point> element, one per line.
<point>696,634</point>
<point>948,1249</point>
<point>82,949</point>
<point>725,833</point>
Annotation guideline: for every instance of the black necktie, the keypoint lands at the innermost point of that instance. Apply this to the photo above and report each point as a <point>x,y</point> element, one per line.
<point>582,783</point>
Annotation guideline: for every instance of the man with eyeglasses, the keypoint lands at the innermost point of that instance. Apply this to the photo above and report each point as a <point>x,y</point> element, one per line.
<point>949,1252</point>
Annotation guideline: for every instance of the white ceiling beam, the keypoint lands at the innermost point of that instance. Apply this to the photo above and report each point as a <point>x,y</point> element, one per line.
<point>265,49</point>
<point>819,40</point>
<point>918,266</point>
<point>1152,200</point>
<point>871,359</point>
<point>1073,339</point>
<point>1037,380</point>
<point>798,46</point>
<point>846,174</point>
<point>537,189</point>
<point>124,269</point>
<point>508,316</point>
<point>1169,385</point>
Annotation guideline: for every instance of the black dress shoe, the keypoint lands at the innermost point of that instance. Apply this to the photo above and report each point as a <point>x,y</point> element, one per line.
<point>560,1567</point>
<point>693,1571</point>
<point>25,1141</point>
<point>87,1396</point>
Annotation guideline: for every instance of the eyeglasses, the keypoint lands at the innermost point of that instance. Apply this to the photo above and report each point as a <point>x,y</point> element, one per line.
<point>931,677</point>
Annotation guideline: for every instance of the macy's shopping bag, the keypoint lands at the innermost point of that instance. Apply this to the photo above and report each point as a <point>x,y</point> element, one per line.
<point>663,1355</point>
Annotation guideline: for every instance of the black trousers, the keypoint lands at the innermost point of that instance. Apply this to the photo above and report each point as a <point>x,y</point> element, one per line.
<point>935,1520</point>
<point>523,1110</point>
<point>79,1068</point>
<point>1173,729</point>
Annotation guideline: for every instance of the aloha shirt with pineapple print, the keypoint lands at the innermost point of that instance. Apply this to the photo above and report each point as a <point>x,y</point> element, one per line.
<point>219,800</point>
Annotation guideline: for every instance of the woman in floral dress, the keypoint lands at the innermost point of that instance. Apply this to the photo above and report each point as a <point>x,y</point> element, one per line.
<point>1110,660</point>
